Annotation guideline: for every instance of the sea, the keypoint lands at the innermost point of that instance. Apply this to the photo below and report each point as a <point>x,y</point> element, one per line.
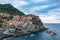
<point>55,27</point>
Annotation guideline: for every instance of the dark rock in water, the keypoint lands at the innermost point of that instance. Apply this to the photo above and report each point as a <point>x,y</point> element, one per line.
<point>50,32</point>
<point>3,36</point>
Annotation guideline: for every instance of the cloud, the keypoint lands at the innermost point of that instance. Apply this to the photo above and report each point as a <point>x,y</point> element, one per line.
<point>3,2</point>
<point>42,7</point>
<point>52,17</point>
<point>17,3</point>
<point>37,1</point>
<point>36,8</point>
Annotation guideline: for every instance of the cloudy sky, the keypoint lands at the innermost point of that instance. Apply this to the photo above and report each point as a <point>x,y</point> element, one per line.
<point>47,10</point>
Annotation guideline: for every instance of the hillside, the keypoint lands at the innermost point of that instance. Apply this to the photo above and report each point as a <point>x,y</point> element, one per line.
<point>8,8</point>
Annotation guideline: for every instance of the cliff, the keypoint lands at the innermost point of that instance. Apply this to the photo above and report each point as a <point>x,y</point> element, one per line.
<point>19,24</point>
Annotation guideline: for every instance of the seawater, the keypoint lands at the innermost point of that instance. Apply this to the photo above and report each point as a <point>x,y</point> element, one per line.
<point>42,35</point>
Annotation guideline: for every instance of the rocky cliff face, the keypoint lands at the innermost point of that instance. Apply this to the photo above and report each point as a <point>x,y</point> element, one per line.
<point>12,19</point>
<point>25,24</point>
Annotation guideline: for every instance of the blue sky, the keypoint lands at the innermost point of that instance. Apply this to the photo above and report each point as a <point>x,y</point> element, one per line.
<point>47,10</point>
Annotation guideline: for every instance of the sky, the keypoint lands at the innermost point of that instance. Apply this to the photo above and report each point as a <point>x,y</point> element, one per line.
<point>47,10</point>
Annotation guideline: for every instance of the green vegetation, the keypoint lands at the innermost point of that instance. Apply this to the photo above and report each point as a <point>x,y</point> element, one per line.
<point>0,25</point>
<point>8,8</point>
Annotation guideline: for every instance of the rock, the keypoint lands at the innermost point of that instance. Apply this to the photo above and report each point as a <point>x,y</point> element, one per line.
<point>25,25</point>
